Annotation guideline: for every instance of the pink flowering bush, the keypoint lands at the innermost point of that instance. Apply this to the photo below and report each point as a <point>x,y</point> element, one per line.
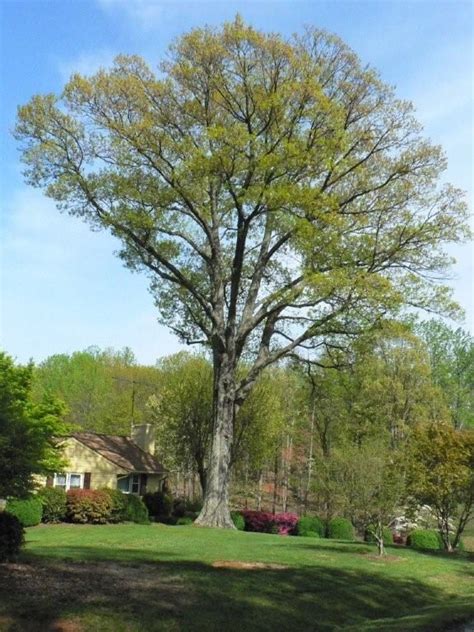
<point>286,523</point>
<point>266,522</point>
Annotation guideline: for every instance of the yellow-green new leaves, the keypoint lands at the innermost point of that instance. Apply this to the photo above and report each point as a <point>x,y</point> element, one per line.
<point>275,191</point>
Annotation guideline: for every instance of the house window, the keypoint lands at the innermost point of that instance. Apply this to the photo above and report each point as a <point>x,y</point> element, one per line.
<point>68,481</point>
<point>129,484</point>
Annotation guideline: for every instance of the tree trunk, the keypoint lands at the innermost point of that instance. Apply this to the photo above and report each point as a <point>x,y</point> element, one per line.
<point>215,511</point>
<point>379,538</point>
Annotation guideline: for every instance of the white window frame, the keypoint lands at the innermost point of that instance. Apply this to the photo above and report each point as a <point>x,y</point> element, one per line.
<point>68,480</point>
<point>130,483</point>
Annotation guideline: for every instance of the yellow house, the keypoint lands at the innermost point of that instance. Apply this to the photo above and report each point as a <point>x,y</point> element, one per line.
<point>99,460</point>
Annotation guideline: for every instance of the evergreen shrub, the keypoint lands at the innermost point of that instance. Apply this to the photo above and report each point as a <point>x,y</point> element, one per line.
<point>54,501</point>
<point>29,511</point>
<point>11,536</point>
<point>340,529</point>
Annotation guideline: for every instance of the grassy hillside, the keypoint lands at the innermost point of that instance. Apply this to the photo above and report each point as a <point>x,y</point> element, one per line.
<point>133,578</point>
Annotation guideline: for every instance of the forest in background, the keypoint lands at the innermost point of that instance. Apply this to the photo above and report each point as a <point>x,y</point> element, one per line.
<point>309,437</point>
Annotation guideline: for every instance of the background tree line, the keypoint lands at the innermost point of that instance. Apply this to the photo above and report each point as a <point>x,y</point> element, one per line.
<point>310,437</point>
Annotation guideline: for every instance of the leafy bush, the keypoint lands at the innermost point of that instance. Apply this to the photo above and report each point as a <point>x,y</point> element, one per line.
<point>424,539</point>
<point>28,511</point>
<point>266,522</point>
<point>238,520</point>
<point>119,502</point>
<point>54,502</point>
<point>184,507</point>
<point>11,536</point>
<point>387,535</point>
<point>286,523</point>
<point>185,520</point>
<point>258,521</point>
<point>135,510</point>
<point>310,526</point>
<point>159,504</point>
<point>460,546</point>
<point>340,529</point>
<point>89,506</point>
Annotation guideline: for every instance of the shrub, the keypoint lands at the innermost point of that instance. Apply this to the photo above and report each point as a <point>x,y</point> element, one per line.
<point>387,535</point>
<point>119,502</point>
<point>89,506</point>
<point>424,540</point>
<point>11,536</point>
<point>238,520</point>
<point>158,504</point>
<point>286,523</point>
<point>28,511</point>
<point>259,521</point>
<point>54,502</point>
<point>266,522</point>
<point>135,510</point>
<point>340,529</point>
<point>310,526</point>
<point>460,546</point>
<point>185,520</point>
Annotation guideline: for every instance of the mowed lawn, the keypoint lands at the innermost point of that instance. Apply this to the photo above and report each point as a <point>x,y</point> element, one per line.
<point>116,578</point>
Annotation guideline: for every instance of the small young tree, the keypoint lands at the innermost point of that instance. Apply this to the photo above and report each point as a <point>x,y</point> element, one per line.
<point>373,486</point>
<point>441,475</point>
<point>27,431</point>
<point>275,191</point>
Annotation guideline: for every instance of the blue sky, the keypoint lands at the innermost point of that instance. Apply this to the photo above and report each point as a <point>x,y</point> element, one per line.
<point>62,288</point>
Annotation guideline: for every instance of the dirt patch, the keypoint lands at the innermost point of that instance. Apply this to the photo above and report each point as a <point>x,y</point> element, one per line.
<point>248,566</point>
<point>385,558</point>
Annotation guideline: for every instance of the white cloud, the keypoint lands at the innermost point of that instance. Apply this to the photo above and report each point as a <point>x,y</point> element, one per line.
<point>145,13</point>
<point>86,63</point>
<point>63,289</point>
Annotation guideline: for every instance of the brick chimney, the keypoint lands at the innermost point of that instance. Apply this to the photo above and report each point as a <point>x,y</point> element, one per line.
<point>144,436</point>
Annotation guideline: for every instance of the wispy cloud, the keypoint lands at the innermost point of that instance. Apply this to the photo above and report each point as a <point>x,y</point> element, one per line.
<point>144,13</point>
<point>87,63</point>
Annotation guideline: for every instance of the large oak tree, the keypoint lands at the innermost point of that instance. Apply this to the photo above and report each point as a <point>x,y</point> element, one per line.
<point>276,192</point>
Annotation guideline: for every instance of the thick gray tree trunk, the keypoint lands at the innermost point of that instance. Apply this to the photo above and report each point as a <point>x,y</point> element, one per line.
<point>215,511</point>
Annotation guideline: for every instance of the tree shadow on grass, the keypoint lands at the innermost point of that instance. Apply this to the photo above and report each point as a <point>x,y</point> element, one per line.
<point>134,593</point>
<point>351,547</point>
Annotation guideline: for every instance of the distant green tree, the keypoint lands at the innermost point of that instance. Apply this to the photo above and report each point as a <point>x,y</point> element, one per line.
<point>441,475</point>
<point>104,390</point>
<point>27,431</point>
<point>452,364</point>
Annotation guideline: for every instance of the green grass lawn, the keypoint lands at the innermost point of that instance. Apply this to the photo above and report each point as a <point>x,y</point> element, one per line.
<point>133,577</point>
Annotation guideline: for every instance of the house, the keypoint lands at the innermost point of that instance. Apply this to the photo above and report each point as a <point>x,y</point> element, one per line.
<point>100,460</point>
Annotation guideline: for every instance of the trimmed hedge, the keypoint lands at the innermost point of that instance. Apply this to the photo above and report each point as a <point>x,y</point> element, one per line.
<point>266,522</point>
<point>89,506</point>
<point>424,540</point>
<point>119,501</point>
<point>54,501</point>
<point>11,536</point>
<point>135,510</point>
<point>29,511</point>
<point>429,540</point>
<point>387,535</point>
<point>158,504</point>
<point>340,529</point>
<point>310,526</point>
<point>238,520</point>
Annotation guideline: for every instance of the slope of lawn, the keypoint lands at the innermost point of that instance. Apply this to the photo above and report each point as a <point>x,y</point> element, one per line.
<point>133,577</point>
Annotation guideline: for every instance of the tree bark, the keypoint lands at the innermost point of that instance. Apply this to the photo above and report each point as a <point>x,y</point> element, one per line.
<point>215,511</point>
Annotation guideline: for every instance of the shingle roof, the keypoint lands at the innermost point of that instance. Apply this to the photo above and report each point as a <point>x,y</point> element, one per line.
<point>122,451</point>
